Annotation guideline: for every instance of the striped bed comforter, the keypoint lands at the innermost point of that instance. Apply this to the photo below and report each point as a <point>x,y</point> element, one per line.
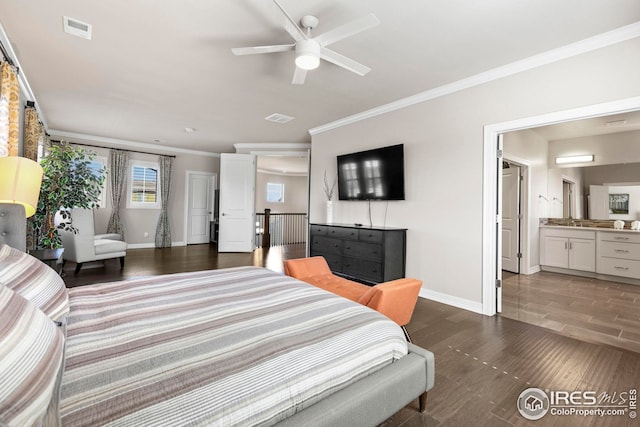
<point>241,346</point>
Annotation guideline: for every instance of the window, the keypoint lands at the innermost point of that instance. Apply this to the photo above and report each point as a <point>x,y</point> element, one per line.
<point>97,164</point>
<point>275,192</point>
<point>143,185</point>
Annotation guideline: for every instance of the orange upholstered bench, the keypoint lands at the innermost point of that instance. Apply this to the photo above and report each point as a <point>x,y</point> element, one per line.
<point>395,299</point>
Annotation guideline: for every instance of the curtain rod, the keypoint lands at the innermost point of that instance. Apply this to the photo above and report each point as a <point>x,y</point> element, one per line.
<point>7,57</point>
<point>112,148</point>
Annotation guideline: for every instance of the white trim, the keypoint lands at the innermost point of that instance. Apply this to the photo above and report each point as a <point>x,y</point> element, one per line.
<point>272,146</point>
<point>462,303</point>
<point>592,43</point>
<point>489,179</point>
<point>128,144</point>
<point>151,245</point>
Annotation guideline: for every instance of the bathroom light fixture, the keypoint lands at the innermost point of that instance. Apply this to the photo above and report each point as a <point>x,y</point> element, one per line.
<point>574,159</point>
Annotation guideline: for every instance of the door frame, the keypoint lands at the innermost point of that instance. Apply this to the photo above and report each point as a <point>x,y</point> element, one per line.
<point>187,175</point>
<point>490,222</point>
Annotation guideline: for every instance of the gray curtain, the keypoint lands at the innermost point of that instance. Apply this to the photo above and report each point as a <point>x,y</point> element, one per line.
<point>163,230</point>
<point>118,168</point>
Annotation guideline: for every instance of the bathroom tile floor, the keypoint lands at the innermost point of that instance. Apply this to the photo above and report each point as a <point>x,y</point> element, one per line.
<point>588,309</point>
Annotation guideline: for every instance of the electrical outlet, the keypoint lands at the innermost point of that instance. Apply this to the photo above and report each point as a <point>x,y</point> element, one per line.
<point>146,234</point>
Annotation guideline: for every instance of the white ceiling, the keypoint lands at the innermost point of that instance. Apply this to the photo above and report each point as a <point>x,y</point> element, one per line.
<point>154,68</point>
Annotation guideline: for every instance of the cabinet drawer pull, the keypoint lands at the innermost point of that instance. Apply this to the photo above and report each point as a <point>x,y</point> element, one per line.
<point>621,251</point>
<point>336,246</point>
<point>621,238</point>
<point>621,268</point>
<point>347,247</point>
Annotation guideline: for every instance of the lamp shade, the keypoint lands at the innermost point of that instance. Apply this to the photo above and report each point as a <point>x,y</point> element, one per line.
<point>20,180</point>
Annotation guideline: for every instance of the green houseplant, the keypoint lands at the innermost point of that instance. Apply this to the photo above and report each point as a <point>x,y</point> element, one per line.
<point>69,180</point>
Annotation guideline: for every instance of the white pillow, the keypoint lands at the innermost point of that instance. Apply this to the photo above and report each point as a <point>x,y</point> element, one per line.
<point>35,281</point>
<point>31,351</point>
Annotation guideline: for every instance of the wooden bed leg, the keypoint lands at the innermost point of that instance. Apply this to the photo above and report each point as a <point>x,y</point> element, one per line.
<point>422,402</point>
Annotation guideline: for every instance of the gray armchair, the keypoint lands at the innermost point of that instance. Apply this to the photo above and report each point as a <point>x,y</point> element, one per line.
<point>86,246</point>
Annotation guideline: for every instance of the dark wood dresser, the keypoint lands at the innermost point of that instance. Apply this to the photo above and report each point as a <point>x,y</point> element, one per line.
<point>367,254</point>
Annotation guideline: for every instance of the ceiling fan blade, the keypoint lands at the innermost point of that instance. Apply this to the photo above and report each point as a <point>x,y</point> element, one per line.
<point>344,62</point>
<point>291,26</point>
<point>347,30</point>
<point>253,50</point>
<point>298,76</point>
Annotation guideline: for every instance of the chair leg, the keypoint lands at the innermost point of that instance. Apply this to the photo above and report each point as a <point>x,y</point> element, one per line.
<point>422,402</point>
<point>78,267</point>
<point>121,262</point>
<point>406,334</point>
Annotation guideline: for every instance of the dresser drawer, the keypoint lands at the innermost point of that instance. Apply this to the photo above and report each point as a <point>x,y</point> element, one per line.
<point>372,236</point>
<point>621,236</point>
<point>326,244</point>
<point>318,230</point>
<point>362,269</point>
<point>363,250</point>
<point>343,233</point>
<point>619,267</point>
<point>619,250</point>
<point>334,260</point>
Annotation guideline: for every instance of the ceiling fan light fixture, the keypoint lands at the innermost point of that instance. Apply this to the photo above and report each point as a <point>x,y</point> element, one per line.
<point>307,54</point>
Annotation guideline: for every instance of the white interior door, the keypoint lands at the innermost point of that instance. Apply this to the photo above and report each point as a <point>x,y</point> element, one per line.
<point>199,199</point>
<point>237,203</point>
<point>511,218</point>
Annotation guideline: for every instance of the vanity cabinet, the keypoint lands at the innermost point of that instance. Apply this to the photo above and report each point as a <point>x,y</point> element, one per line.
<point>573,249</point>
<point>368,254</point>
<point>619,254</point>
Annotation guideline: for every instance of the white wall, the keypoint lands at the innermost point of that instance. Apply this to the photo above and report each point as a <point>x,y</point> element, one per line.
<point>444,159</point>
<point>295,193</point>
<point>137,222</point>
<point>621,147</point>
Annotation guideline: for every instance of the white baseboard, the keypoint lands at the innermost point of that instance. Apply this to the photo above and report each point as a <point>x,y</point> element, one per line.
<point>150,245</point>
<point>535,269</point>
<point>462,303</point>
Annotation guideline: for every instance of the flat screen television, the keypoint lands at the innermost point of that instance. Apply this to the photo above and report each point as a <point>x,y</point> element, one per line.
<point>372,175</point>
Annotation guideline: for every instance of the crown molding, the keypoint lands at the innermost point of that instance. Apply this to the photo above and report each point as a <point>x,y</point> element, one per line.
<point>285,146</point>
<point>129,144</point>
<point>589,44</point>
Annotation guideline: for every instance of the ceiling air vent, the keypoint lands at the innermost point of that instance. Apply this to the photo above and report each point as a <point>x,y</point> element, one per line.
<point>76,28</point>
<point>279,118</point>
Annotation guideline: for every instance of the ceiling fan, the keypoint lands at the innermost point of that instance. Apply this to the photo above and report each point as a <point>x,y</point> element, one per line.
<point>309,49</point>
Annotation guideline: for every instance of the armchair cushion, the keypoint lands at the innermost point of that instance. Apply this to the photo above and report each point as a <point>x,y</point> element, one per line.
<point>107,246</point>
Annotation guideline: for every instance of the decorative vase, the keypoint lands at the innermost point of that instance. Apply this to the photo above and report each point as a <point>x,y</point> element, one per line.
<point>329,211</point>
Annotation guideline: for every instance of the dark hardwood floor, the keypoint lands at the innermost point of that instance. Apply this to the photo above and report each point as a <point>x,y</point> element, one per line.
<point>482,363</point>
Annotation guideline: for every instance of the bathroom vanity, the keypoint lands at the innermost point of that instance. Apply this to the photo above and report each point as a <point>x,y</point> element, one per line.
<point>603,253</point>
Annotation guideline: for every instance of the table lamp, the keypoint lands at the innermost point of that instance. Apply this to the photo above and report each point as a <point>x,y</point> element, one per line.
<point>20,180</point>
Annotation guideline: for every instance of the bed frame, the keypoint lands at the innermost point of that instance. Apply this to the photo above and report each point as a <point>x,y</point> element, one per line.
<point>376,397</point>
